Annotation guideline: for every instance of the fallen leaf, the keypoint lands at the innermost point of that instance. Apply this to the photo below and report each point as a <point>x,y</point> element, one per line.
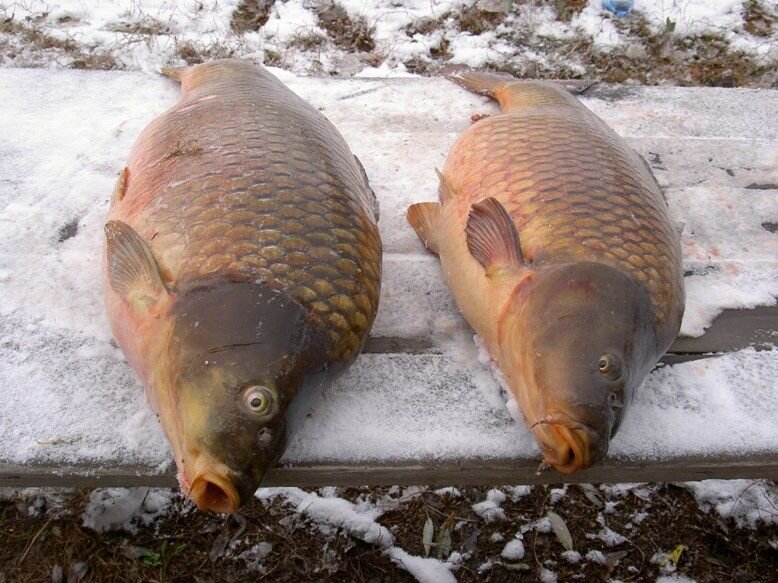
<point>426,536</point>
<point>612,561</point>
<point>592,494</point>
<point>56,574</point>
<point>444,543</point>
<point>675,556</point>
<point>77,572</point>
<point>135,552</point>
<point>715,561</point>
<point>516,566</point>
<point>560,530</point>
<point>471,542</point>
<point>230,530</point>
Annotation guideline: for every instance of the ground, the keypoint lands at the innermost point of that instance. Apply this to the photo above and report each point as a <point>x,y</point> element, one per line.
<point>685,42</point>
<point>635,532</point>
<point>624,532</point>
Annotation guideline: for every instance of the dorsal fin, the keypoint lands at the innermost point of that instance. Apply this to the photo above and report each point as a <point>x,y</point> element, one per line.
<point>492,238</point>
<point>445,192</point>
<point>132,271</point>
<point>423,217</point>
<point>120,189</point>
<point>374,198</point>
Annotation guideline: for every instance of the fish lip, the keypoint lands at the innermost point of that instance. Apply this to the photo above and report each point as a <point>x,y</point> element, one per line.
<point>213,492</point>
<point>212,488</point>
<point>559,436</point>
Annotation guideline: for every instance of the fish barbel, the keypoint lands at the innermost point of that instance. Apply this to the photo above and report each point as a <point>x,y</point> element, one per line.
<point>557,244</point>
<point>242,271</point>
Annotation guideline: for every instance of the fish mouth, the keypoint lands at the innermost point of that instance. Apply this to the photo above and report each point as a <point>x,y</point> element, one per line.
<point>568,446</point>
<point>211,488</point>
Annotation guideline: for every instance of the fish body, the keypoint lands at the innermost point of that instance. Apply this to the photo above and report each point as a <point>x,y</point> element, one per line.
<point>557,244</point>
<point>241,273</point>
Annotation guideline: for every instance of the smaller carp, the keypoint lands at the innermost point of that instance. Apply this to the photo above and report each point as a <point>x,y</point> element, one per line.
<point>556,242</point>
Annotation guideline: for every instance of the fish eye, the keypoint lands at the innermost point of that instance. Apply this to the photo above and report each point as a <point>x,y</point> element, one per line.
<point>259,400</point>
<point>610,366</point>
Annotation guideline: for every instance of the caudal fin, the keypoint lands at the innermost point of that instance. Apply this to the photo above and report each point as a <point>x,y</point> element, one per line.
<point>174,72</point>
<point>481,82</point>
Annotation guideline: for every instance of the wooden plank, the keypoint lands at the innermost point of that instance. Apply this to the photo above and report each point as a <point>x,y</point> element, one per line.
<point>731,330</point>
<point>469,472</point>
<point>734,330</point>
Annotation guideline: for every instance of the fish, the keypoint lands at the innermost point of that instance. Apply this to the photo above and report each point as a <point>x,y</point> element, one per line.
<point>242,271</point>
<point>558,246</point>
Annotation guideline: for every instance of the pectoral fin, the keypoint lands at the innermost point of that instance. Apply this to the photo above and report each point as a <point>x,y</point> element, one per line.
<point>492,238</point>
<point>132,271</point>
<point>423,217</point>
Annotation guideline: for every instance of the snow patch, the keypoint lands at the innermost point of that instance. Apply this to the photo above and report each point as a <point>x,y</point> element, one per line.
<point>748,502</point>
<point>490,509</point>
<point>359,521</point>
<point>126,508</point>
<point>513,550</point>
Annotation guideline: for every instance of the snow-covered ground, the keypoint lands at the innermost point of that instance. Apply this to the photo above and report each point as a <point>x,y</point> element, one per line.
<point>55,178</point>
<point>380,37</point>
<point>57,361</point>
<point>619,513</point>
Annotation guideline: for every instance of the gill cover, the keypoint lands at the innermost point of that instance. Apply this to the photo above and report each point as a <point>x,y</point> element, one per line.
<point>588,340</point>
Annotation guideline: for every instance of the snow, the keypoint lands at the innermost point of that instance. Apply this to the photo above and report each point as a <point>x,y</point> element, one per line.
<point>747,502</point>
<point>490,509</point>
<point>513,550</point>
<point>126,508</point>
<point>546,576</point>
<point>359,521</point>
<point>70,398</point>
<point>255,555</point>
<point>596,557</point>
<point>572,557</point>
<point>144,34</point>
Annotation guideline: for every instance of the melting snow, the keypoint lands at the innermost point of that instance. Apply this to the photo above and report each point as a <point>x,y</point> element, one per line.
<point>70,397</point>
<point>513,550</point>
<point>125,508</point>
<point>490,509</point>
<point>360,521</point>
<point>748,502</point>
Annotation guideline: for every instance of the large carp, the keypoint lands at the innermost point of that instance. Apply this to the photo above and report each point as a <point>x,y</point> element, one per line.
<point>242,271</point>
<point>556,242</point>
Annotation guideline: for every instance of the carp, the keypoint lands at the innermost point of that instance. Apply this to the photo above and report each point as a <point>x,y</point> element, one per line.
<point>242,271</point>
<point>556,242</point>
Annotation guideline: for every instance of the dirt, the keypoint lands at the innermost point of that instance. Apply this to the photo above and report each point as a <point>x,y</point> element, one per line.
<point>664,528</point>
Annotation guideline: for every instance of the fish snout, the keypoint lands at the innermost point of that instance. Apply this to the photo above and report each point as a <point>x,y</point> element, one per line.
<point>569,446</point>
<point>213,492</point>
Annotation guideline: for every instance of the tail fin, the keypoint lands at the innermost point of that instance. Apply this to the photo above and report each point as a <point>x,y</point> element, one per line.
<point>481,82</point>
<point>513,93</point>
<point>174,73</point>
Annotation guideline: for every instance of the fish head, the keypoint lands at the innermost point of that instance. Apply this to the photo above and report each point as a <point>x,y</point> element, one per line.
<point>237,357</point>
<point>586,340</point>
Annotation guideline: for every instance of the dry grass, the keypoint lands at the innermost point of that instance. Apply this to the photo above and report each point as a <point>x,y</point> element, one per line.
<point>349,33</point>
<point>189,545</point>
<point>760,18</point>
<point>251,15</point>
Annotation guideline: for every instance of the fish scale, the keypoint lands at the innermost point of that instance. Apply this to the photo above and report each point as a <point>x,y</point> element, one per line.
<point>280,214</point>
<point>558,247</point>
<point>242,271</point>
<point>570,206</point>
